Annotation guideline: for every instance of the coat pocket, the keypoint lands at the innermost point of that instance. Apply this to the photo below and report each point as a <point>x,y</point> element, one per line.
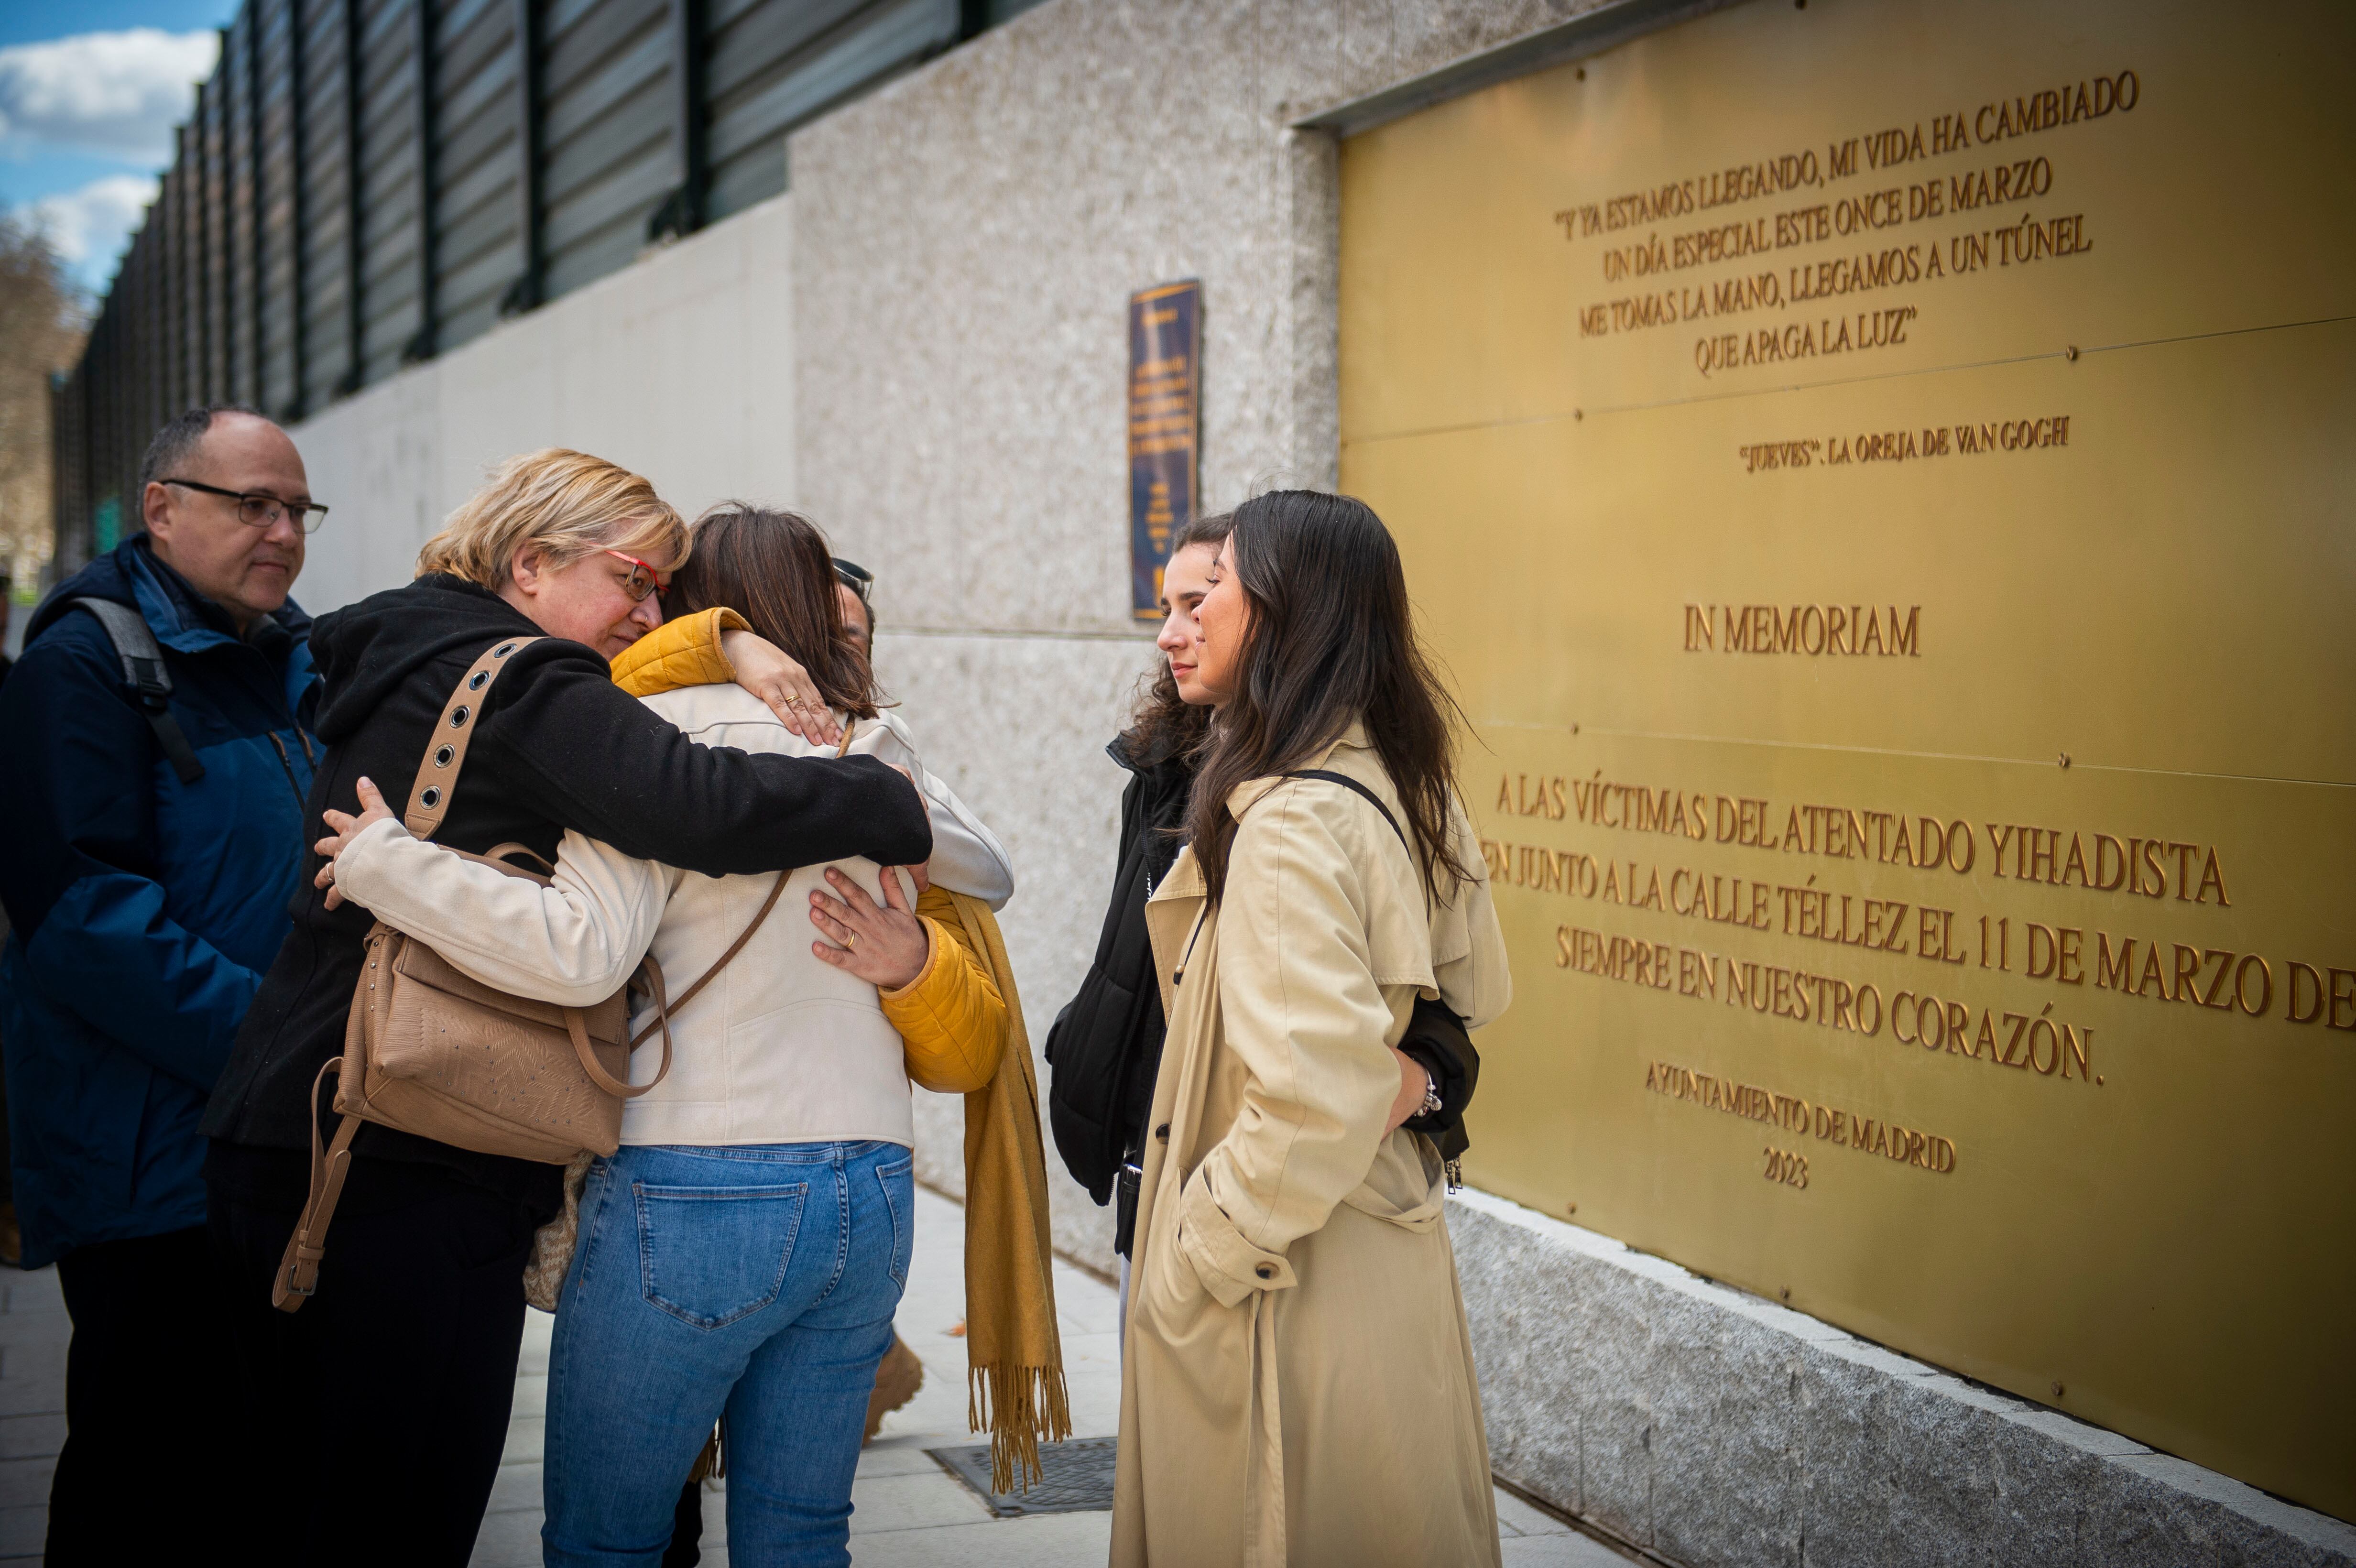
<point>712,1255</point>
<point>1406,1186</point>
<point>1168,1288</point>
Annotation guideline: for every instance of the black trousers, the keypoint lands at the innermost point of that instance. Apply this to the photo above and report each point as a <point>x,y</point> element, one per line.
<point>150,1403</point>
<point>385,1400</point>
<point>686,1548</point>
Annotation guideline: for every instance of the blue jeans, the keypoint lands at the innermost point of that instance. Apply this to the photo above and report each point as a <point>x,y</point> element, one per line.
<point>759,1281</point>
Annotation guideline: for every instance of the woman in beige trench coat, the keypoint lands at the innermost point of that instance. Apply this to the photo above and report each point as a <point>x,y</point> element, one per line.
<point>1298,1384</point>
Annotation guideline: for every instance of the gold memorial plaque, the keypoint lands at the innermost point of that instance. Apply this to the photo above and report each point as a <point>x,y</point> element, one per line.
<point>1880,476</point>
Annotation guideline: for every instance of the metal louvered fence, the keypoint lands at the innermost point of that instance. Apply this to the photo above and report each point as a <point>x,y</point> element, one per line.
<point>365,183</point>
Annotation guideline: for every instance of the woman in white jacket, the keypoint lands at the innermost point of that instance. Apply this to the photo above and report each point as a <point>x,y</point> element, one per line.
<point>745,1248</point>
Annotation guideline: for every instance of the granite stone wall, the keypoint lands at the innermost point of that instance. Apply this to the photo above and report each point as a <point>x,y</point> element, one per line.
<point>966,242</point>
<point>1712,1428</point>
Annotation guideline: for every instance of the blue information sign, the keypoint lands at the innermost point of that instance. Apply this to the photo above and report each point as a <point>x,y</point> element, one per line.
<point>1166,344</point>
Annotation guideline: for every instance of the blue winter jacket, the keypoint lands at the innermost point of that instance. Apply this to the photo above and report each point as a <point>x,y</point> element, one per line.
<point>144,910</point>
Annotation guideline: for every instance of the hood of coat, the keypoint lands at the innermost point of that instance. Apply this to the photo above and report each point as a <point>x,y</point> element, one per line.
<point>1165,784</point>
<point>1164,775</point>
<point>367,651</point>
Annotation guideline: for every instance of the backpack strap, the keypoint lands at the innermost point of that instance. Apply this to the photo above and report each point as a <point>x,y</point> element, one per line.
<point>150,682</point>
<point>445,747</point>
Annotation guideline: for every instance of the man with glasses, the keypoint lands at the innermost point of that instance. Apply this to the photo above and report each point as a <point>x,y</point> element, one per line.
<point>153,783</point>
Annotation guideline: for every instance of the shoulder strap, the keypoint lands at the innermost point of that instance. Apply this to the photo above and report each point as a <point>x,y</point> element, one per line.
<point>150,682</point>
<point>1371,798</point>
<point>446,748</point>
<point>298,1279</point>
<point>744,936</point>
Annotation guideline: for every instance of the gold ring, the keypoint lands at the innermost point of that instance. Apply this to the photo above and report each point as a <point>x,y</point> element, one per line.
<point>850,943</point>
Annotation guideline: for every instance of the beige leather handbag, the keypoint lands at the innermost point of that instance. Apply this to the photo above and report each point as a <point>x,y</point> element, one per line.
<point>428,1051</point>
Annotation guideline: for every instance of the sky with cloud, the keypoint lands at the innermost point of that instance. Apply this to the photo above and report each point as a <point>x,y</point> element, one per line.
<point>90,90</point>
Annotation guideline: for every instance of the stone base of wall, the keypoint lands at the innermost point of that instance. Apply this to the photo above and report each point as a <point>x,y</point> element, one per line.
<point>1710,1427</point>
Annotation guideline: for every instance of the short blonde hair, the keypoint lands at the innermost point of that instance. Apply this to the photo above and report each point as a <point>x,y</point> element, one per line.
<point>567,503</point>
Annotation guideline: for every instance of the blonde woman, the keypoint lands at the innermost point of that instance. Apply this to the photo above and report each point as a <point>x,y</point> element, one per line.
<point>744,1250</point>
<point>386,1400</point>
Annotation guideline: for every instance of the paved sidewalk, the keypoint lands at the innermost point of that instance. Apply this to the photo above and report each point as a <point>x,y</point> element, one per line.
<point>908,1509</point>
<point>33,1335</point>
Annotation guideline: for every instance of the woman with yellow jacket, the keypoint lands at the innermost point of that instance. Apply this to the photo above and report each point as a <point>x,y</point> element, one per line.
<point>745,1249</point>
<point>1298,1384</point>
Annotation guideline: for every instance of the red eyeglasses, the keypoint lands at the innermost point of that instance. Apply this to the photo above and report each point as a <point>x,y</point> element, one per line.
<point>644,579</point>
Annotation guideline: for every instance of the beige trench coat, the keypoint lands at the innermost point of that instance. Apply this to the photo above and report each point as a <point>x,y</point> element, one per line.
<point>1298,1383</point>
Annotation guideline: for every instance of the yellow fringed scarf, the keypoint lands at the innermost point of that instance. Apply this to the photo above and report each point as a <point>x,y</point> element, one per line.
<point>1015,1378</point>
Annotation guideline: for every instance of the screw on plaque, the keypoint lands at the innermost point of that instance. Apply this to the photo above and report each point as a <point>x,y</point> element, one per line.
<point>2065,759</point>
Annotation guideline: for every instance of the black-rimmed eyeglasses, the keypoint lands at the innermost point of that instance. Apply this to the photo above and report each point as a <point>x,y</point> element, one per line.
<point>257,511</point>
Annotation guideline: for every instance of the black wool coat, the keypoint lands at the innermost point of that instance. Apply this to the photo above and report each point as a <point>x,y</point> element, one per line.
<point>1106,1045</point>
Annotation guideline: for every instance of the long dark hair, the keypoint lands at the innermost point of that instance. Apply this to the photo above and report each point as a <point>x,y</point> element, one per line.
<point>1165,724</point>
<point>774,568</point>
<point>1331,640</point>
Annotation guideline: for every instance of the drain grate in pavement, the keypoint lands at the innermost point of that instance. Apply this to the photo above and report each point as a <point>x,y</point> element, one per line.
<point>1075,1476</point>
